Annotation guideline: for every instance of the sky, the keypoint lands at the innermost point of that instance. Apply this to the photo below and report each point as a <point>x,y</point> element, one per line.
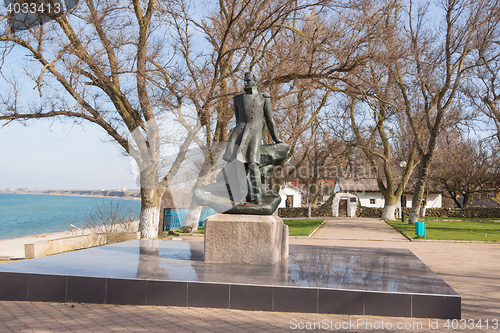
<point>46,155</point>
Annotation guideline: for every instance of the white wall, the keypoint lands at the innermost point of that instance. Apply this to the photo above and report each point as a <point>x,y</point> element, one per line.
<point>433,201</point>
<point>351,206</point>
<point>297,196</point>
<point>364,199</point>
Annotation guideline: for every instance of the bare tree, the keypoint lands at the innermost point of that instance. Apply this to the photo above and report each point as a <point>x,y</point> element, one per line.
<point>463,168</point>
<point>378,145</point>
<point>483,84</point>
<point>94,65</point>
<point>437,63</point>
<point>374,119</point>
<point>315,163</point>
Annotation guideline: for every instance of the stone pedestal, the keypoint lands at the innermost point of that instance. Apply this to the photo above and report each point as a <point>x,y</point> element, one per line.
<point>248,239</point>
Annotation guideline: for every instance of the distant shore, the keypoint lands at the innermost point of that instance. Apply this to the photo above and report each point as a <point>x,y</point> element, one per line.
<point>81,193</point>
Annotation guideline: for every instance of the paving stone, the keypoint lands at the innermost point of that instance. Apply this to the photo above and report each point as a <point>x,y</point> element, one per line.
<point>472,269</point>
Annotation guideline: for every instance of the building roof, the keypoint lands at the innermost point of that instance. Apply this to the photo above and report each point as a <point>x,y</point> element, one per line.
<point>486,202</point>
<point>358,185</point>
<point>291,187</point>
<point>362,185</point>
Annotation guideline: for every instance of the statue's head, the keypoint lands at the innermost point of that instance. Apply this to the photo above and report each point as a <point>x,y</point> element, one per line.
<point>251,80</point>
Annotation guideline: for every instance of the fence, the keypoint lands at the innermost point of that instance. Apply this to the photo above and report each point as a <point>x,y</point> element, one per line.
<point>466,212</point>
<point>176,218</point>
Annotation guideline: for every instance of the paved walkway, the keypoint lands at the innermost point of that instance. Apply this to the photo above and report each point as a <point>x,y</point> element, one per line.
<point>472,269</point>
<point>358,228</point>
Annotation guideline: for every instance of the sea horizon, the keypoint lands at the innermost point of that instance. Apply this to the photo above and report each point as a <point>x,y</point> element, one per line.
<point>41,213</point>
<point>73,195</point>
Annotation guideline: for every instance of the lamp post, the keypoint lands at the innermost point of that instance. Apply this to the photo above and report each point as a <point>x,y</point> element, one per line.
<point>403,202</point>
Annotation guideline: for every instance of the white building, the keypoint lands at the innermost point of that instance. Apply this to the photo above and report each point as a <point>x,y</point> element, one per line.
<point>351,191</point>
<point>293,194</point>
<point>344,204</point>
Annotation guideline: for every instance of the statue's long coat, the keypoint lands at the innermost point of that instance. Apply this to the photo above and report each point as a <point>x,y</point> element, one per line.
<point>244,143</point>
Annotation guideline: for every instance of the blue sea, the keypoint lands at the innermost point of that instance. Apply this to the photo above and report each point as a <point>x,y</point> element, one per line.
<point>32,214</point>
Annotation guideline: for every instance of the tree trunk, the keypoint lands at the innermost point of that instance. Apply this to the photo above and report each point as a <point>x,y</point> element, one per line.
<point>150,213</point>
<point>390,201</point>
<point>453,196</point>
<point>466,200</point>
<point>308,201</point>
<point>151,195</point>
<point>193,218</point>
<point>422,210</point>
<point>418,195</point>
<point>417,201</point>
<point>388,211</point>
<point>315,199</point>
<point>413,217</point>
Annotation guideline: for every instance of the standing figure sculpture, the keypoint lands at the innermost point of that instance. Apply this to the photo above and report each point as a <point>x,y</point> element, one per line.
<point>242,185</point>
<point>244,144</point>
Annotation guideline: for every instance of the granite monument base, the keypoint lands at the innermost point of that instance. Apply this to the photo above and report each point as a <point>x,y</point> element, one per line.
<point>245,239</point>
<point>315,279</point>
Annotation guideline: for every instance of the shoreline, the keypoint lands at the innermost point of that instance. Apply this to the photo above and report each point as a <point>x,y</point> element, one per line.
<point>49,234</point>
<point>27,216</point>
<point>14,248</point>
<point>73,195</point>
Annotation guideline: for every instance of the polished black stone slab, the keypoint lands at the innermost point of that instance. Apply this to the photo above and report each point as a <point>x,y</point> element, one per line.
<point>317,279</point>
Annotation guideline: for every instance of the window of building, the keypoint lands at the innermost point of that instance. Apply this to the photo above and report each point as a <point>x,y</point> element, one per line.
<point>372,201</point>
<point>353,199</point>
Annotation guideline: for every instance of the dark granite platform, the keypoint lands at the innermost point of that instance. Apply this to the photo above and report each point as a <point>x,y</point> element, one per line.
<point>337,280</point>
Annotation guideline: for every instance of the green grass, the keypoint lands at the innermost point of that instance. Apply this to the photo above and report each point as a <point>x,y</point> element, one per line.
<point>459,218</point>
<point>302,227</point>
<point>175,233</point>
<point>467,230</point>
<point>201,230</point>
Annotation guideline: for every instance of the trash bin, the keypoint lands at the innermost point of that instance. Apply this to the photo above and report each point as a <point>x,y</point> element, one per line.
<point>420,229</point>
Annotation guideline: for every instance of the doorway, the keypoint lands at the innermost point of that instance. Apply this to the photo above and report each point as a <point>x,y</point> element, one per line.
<point>343,208</point>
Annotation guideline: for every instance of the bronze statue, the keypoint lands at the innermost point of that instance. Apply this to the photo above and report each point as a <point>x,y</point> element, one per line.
<point>244,144</point>
<point>241,187</point>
